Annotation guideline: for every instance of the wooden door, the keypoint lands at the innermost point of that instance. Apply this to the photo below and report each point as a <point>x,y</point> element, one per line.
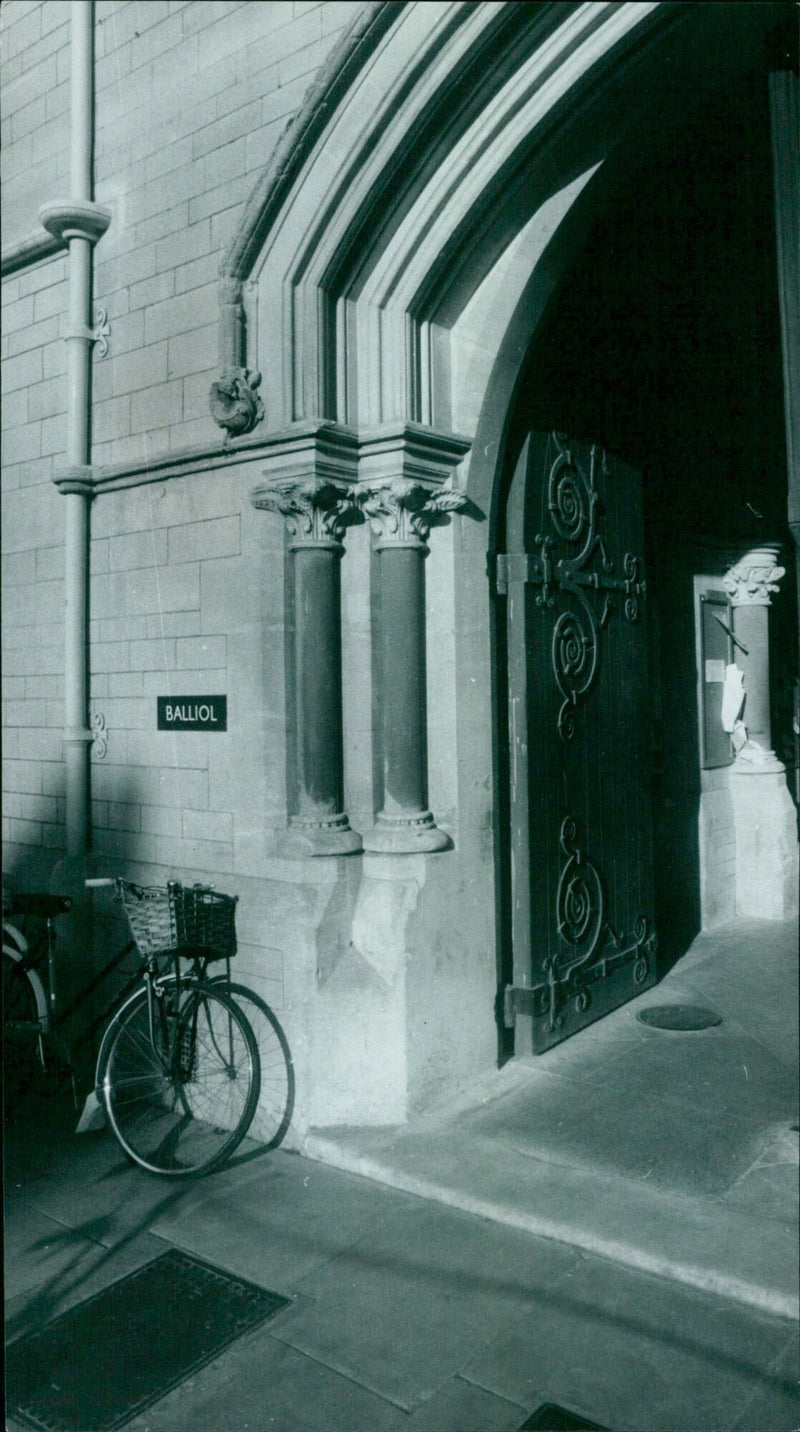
<point>580,814</point>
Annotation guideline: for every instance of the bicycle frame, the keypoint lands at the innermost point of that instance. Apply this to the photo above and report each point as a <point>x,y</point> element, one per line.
<point>164,1040</point>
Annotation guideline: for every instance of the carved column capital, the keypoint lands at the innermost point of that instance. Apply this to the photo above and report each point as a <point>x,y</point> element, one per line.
<point>401,512</point>
<point>750,580</point>
<point>316,511</point>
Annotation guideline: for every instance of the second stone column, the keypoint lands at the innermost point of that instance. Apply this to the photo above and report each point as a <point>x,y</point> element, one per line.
<point>401,513</point>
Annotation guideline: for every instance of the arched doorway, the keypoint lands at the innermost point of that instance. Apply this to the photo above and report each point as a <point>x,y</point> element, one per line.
<point>395,278</point>
<point>644,451</point>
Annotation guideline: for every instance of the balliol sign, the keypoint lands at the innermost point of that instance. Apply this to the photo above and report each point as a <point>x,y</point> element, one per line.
<point>192,713</point>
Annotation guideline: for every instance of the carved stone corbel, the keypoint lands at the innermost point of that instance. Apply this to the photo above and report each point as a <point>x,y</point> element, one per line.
<point>234,402</point>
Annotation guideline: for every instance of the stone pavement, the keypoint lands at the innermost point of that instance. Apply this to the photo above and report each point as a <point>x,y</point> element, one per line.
<point>671,1152</point>
<point>410,1312</point>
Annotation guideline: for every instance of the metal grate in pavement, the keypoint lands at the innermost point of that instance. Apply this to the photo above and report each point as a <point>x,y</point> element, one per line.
<point>549,1418</point>
<point>98,1364</point>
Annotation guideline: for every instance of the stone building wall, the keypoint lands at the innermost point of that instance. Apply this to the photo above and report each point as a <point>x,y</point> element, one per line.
<point>191,98</point>
<point>187,581</point>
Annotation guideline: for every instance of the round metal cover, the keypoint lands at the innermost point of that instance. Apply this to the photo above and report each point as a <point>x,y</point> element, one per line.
<point>679,1016</point>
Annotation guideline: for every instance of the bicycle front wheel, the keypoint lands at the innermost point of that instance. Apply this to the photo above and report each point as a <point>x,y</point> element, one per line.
<point>180,1096</point>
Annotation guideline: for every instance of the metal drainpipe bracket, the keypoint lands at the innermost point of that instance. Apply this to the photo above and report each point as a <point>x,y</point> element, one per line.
<point>99,334</point>
<point>99,735</point>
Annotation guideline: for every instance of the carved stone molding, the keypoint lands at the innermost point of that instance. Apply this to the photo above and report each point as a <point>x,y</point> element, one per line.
<point>316,511</point>
<point>750,581</point>
<point>77,478</point>
<point>75,219</point>
<point>234,402</point>
<point>409,450</point>
<point>401,512</point>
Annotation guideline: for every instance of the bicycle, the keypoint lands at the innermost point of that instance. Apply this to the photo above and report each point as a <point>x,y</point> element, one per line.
<point>179,1070</point>
<point>30,1002</point>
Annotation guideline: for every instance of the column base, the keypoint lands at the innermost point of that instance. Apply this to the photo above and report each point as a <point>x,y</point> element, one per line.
<point>766,843</point>
<point>755,760</point>
<point>307,838</point>
<point>406,835</point>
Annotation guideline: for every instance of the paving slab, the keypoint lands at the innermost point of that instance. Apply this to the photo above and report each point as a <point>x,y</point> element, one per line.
<point>636,1353</point>
<point>461,1406</point>
<point>401,1311</point>
<point>262,1385</point>
<point>292,1218</point>
<point>775,1403</point>
<point>623,1128</point>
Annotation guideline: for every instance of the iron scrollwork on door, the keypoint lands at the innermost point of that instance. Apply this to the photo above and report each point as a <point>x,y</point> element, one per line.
<point>575,509</point>
<point>593,948</point>
<point>585,929</point>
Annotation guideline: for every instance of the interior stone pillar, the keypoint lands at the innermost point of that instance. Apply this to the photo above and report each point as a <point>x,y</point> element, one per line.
<point>765,821</point>
<point>404,494</point>
<point>749,584</point>
<point>317,509</point>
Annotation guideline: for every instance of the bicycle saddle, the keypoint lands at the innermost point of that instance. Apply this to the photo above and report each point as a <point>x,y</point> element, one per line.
<point>42,906</point>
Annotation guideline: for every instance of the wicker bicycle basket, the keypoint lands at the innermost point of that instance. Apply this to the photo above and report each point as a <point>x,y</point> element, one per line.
<point>191,918</point>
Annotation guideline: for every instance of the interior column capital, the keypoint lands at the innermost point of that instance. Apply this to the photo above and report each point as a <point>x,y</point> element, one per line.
<point>750,580</point>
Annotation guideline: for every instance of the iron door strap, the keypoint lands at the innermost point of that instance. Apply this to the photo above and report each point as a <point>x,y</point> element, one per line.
<point>584,928</point>
<point>574,507</point>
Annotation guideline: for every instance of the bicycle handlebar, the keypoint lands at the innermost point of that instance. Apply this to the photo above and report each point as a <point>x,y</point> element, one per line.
<point>99,882</point>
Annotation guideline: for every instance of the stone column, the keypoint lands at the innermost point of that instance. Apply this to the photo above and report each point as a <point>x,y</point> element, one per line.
<point>316,510</point>
<point>401,513</point>
<point>764,816</point>
<point>749,584</point>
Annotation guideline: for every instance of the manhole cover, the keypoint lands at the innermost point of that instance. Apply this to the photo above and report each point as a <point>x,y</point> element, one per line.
<point>679,1016</point>
<point>98,1364</point>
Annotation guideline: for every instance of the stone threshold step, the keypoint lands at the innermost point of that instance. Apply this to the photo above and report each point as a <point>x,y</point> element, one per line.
<point>698,1242</point>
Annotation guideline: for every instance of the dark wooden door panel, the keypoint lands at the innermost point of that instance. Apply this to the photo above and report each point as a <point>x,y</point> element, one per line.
<point>580,802</point>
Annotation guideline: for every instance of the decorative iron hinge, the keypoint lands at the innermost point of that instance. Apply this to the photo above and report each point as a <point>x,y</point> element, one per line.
<point>522,999</point>
<point>539,1000</point>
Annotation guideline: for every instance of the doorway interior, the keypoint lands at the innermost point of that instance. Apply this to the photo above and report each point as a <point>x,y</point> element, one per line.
<point>662,346</point>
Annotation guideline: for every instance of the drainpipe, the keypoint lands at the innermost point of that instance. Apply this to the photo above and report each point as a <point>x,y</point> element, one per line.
<point>80,223</point>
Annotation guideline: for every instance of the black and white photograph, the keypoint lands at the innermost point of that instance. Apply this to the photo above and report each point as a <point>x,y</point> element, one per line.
<point>401,715</point>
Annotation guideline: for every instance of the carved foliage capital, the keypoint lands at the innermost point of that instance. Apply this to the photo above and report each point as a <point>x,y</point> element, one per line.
<point>316,511</point>
<point>402,512</point>
<point>750,581</point>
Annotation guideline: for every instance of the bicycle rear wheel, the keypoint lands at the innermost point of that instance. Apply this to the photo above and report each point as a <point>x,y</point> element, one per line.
<point>276,1099</point>
<point>181,1101</point>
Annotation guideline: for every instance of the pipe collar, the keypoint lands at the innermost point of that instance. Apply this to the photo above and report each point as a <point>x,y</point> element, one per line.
<point>75,219</point>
